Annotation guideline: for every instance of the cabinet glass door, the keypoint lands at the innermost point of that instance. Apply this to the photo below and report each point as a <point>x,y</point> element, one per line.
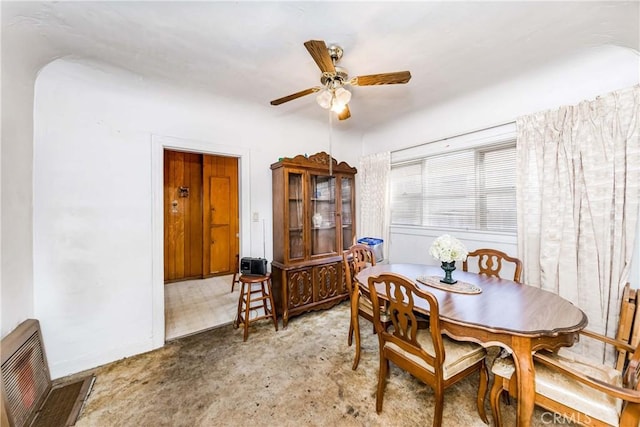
<point>323,215</point>
<point>346,186</point>
<point>296,216</point>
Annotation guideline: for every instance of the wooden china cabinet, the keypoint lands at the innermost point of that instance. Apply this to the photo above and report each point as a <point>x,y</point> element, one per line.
<point>313,222</point>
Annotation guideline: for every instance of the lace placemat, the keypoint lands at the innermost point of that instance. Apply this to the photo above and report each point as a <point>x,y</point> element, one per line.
<point>458,287</point>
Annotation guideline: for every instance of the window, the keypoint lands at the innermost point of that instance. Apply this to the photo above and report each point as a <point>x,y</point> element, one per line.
<point>471,189</point>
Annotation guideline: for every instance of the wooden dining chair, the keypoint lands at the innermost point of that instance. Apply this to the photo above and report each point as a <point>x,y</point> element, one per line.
<point>582,391</point>
<point>426,354</point>
<point>490,262</point>
<point>356,258</point>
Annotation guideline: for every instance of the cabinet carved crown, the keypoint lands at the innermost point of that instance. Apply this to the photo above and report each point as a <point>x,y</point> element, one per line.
<point>318,159</point>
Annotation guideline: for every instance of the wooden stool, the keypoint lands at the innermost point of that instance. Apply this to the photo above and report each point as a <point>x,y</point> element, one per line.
<point>245,300</point>
<point>236,273</point>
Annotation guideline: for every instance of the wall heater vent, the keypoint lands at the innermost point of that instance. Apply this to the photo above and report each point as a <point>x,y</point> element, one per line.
<point>28,396</point>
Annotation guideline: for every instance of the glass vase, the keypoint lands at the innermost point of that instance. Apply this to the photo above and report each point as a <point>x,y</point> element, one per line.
<point>448,268</point>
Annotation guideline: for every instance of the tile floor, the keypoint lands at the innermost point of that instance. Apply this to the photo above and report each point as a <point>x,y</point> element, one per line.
<point>196,305</point>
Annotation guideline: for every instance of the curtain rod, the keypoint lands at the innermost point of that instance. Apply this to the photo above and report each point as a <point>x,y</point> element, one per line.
<point>454,136</point>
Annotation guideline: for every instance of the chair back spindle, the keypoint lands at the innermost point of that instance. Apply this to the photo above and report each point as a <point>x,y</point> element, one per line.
<point>628,325</point>
<point>490,262</point>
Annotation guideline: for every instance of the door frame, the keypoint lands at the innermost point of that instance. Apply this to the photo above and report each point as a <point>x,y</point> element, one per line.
<point>158,144</point>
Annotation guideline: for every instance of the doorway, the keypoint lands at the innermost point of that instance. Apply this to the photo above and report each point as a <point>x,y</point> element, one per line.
<point>160,143</point>
<point>200,197</point>
<point>201,215</point>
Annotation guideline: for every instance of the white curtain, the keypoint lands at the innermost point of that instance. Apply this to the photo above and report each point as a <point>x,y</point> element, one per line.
<point>578,194</point>
<point>373,189</point>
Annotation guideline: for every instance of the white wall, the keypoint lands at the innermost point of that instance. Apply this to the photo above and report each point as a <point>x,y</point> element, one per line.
<point>98,135</point>
<point>19,70</point>
<point>568,82</point>
<point>17,151</point>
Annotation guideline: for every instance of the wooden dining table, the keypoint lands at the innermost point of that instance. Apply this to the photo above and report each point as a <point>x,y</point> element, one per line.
<point>505,313</point>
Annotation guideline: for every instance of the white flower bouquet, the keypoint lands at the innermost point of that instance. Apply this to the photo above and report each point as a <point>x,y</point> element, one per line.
<point>448,249</point>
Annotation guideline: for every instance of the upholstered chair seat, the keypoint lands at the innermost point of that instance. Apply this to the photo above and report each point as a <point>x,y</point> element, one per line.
<point>460,355</point>
<point>561,388</point>
<point>365,305</point>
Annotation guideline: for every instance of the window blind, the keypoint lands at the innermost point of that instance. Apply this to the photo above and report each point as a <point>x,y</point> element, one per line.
<point>468,189</point>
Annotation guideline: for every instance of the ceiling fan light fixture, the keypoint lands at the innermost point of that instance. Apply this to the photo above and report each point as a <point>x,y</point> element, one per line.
<point>342,95</point>
<point>338,107</point>
<point>325,99</point>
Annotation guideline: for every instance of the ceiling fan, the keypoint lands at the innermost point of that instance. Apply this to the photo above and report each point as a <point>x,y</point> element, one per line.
<point>333,94</point>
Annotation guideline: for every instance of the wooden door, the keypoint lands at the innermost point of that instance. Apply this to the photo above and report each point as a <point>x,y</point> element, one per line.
<point>220,236</point>
<point>182,216</point>
<point>220,203</point>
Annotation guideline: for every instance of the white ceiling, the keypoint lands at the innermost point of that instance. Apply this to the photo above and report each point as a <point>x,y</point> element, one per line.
<point>253,51</point>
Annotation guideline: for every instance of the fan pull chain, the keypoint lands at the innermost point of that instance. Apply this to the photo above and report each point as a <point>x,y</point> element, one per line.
<point>330,143</point>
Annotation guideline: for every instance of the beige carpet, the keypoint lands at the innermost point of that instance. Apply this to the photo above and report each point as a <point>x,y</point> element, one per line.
<point>298,376</point>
